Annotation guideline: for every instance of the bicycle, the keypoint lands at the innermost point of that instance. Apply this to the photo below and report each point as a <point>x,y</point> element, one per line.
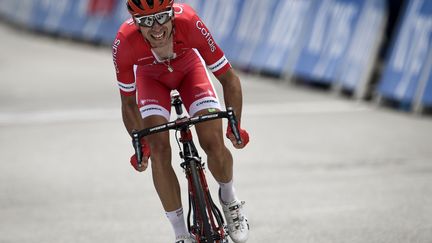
<point>204,219</point>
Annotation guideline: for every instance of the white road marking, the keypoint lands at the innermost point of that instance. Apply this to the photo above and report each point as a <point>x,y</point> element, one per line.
<point>92,114</point>
<point>299,108</point>
<point>54,116</point>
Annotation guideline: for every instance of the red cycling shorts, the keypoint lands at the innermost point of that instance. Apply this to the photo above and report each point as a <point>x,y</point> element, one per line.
<point>189,77</point>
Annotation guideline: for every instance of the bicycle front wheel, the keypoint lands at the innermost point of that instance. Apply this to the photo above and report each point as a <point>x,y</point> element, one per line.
<point>200,205</point>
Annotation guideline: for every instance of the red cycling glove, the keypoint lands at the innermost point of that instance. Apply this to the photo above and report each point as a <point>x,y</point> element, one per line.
<point>145,149</point>
<point>243,135</point>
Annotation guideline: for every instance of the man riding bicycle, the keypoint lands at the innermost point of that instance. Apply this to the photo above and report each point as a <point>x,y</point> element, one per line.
<point>166,46</point>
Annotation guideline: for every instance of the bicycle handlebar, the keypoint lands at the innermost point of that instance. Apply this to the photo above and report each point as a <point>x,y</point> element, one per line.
<point>181,123</point>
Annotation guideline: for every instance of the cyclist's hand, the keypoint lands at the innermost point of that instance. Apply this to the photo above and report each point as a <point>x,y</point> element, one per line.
<point>244,135</point>
<point>145,148</point>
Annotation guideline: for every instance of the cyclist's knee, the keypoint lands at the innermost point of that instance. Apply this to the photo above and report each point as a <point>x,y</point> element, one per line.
<point>159,142</point>
<point>160,149</point>
<point>212,144</point>
<point>210,137</point>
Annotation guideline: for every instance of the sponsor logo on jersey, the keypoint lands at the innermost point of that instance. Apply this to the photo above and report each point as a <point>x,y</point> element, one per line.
<point>115,46</point>
<point>206,102</point>
<point>219,64</point>
<point>200,26</point>
<point>143,102</point>
<point>126,87</point>
<point>151,109</point>
<point>204,93</point>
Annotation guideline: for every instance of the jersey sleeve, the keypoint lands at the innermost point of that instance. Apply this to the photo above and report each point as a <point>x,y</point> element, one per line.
<point>203,41</point>
<point>123,65</point>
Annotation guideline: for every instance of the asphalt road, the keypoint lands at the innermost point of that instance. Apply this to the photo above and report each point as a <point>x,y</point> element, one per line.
<point>319,168</point>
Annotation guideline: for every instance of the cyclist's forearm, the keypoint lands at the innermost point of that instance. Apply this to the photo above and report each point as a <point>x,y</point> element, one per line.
<point>131,118</point>
<point>233,98</point>
<point>232,92</point>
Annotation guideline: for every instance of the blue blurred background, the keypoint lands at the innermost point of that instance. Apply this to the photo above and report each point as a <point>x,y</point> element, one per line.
<point>368,49</point>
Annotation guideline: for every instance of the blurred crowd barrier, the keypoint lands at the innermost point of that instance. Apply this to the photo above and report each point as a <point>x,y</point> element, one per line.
<point>407,76</point>
<point>333,42</point>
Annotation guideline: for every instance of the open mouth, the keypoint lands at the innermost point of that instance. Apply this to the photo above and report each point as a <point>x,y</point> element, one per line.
<point>158,36</point>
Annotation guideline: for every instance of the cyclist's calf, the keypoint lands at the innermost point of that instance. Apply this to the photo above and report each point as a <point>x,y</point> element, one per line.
<point>219,158</point>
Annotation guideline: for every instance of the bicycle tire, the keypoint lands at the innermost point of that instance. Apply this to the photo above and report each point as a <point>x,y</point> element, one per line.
<point>201,202</point>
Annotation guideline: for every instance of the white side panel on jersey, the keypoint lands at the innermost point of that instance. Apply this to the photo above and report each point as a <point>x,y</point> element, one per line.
<point>207,73</point>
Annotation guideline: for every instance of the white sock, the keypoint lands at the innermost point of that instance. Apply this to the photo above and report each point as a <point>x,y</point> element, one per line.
<point>227,192</point>
<point>177,221</point>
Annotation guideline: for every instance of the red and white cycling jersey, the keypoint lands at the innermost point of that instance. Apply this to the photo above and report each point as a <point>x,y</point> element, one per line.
<point>137,68</point>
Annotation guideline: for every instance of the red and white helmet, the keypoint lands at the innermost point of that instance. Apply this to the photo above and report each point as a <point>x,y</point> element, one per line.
<point>146,7</point>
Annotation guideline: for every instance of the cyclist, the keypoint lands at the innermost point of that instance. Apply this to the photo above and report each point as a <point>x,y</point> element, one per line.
<point>165,46</point>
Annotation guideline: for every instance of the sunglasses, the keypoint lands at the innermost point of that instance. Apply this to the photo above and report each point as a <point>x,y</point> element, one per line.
<point>149,20</point>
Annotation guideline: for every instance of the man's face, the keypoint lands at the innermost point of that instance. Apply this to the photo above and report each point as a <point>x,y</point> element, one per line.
<point>158,34</point>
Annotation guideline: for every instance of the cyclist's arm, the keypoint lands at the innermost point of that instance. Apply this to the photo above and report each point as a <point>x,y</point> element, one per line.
<point>130,113</point>
<point>232,91</point>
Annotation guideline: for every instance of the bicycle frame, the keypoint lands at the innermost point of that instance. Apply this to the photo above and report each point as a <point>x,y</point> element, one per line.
<point>207,222</point>
<point>207,219</point>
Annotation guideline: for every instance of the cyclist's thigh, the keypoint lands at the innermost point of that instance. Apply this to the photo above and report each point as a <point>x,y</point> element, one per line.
<point>154,103</point>
<point>153,97</point>
<point>200,98</point>
<point>197,90</point>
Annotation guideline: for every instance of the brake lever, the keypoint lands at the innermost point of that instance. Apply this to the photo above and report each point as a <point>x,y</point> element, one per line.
<point>137,147</point>
<point>232,120</point>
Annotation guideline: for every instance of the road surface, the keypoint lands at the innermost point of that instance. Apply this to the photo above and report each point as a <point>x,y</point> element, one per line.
<point>319,168</point>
